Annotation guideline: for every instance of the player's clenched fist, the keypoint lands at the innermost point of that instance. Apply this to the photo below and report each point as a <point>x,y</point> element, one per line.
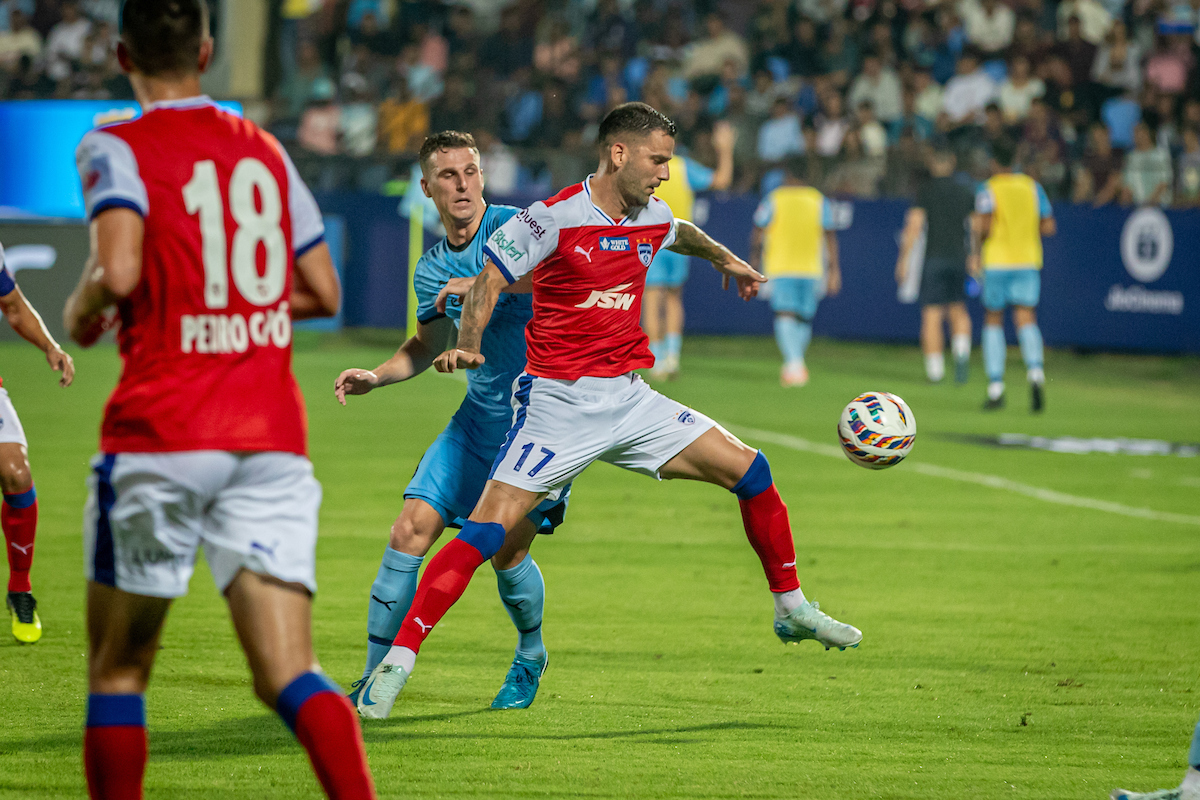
<point>354,381</point>
<point>457,359</point>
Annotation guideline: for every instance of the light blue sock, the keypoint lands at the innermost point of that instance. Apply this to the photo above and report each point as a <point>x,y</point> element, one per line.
<point>994,352</point>
<point>803,336</point>
<point>657,350</point>
<point>1194,753</point>
<point>788,336</point>
<point>673,344</point>
<point>524,594</point>
<point>391,595</point>
<point>1030,338</point>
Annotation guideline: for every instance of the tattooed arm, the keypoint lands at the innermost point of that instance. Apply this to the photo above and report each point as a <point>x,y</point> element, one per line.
<point>691,241</point>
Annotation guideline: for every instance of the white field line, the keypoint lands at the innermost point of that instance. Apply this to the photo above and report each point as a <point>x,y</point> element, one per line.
<point>991,481</point>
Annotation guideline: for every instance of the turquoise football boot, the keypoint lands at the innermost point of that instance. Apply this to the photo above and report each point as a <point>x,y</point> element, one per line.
<point>521,683</point>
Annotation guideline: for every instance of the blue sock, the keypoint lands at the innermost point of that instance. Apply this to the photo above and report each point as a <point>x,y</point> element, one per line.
<point>803,336</point>
<point>524,594</point>
<point>1030,338</point>
<point>657,350</point>
<point>673,344</point>
<point>995,350</point>
<point>1194,753</point>
<point>391,595</point>
<point>789,337</point>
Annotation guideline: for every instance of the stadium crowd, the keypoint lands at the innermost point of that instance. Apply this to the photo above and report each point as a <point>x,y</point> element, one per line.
<point>1102,97</point>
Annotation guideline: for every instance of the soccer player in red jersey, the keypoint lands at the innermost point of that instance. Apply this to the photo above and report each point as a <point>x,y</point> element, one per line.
<point>18,517</point>
<point>579,399</point>
<point>208,245</point>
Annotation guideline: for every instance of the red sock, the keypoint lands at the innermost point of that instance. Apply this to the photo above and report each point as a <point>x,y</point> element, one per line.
<point>328,729</point>
<point>770,534</point>
<point>444,581</point>
<point>114,747</point>
<point>18,518</point>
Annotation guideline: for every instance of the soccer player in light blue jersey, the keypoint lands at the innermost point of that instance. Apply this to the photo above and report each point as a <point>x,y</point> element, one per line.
<point>453,471</point>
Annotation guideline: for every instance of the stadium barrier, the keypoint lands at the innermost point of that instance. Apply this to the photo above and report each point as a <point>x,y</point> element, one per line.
<point>1115,279</point>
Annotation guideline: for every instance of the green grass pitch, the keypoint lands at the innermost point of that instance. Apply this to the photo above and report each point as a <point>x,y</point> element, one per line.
<point>1014,647</point>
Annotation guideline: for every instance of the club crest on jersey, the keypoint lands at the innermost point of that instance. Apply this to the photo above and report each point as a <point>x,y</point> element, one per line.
<point>685,417</point>
<point>615,244</point>
<point>615,297</point>
<point>645,251</point>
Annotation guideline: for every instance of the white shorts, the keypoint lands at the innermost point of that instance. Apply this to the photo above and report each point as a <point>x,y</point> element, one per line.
<point>560,427</point>
<point>148,513</point>
<point>11,431</point>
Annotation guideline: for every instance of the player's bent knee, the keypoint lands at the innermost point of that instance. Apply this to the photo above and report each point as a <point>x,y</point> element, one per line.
<point>410,536</point>
<point>15,477</point>
<point>756,480</point>
<point>486,537</point>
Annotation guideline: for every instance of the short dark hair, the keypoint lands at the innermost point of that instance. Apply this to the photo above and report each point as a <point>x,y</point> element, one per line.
<point>164,36</point>
<point>445,140</point>
<point>1004,151</point>
<point>640,119</point>
<point>796,166</point>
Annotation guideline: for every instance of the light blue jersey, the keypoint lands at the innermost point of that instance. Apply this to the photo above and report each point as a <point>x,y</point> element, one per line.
<point>488,403</point>
<point>454,469</point>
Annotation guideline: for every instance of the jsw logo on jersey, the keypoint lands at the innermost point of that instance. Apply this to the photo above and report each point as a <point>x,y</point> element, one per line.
<point>615,297</point>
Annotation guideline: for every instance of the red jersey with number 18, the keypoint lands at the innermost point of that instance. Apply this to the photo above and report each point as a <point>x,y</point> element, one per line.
<point>588,283</point>
<point>206,335</point>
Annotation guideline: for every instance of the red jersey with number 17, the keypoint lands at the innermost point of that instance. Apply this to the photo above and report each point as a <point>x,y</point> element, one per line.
<point>588,283</point>
<point>206,335</point>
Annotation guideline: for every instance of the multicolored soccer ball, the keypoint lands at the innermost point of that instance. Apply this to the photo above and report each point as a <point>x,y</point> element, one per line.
<point>877,430</point>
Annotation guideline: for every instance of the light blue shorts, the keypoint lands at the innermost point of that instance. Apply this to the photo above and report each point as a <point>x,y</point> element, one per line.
<point>799,296</point>
<point>668,270</point>
<point>1011,287</point>
<point>452,474</point>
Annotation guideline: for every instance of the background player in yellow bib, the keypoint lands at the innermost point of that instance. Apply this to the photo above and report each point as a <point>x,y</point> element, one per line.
<point>662,304</point>
<point>795,244</point>
<point>1014,214</point>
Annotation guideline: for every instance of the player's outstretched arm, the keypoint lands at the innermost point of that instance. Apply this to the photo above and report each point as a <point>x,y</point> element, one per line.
<point>414,357</point>
<point>476,311</point>
<point>833,266</point>
<point>316,290</point>
<point>112,272</point>
<point>26,321</point>
<point>691,241</point>
<point>914,222</point>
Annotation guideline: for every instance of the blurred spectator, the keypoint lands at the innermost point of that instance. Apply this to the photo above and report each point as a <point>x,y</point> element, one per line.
<point>1160,116</point>
<point>1147,179</point>
<point>708,55</point>
<point>500,167</point>
<point>921,128</point>
<point>831,125</point>
<point>1078,52</point>
<point>609,30</point>
<point>297,91</point>
<point>839,55</point>
<point>968,92</point>
<point>871,134</point>
<point>30,82</point>
<point>989,24</point>
<point>368,33</point>
<point>1168,67</point>
<point>510,48</point>
<point>557,51</point>
<point>1121,115</point>
<point>424,82</point>
<point>1019,90</point>
<point>905,165</point>
<point>105,11</point>
<point>930,98</point>
<point>1094,20</point>
<point>26,7</point>
<point>803,51</point>
<point>1042,152</point>
<point>1098,175</point>
<point>358,123</point>
<point>879,86</point>
<point>454,111</point>
<point>558,119</point>
<point>20,39</point>
<point>1029,40</point>
<point>1187,191</point>
<point>856,173</point>
<point>403,121</point>
<point>1117,67</point>
<point>920,45</point>
<point>318,131</point>
<point>780,136</point>
<point>64,44</point>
